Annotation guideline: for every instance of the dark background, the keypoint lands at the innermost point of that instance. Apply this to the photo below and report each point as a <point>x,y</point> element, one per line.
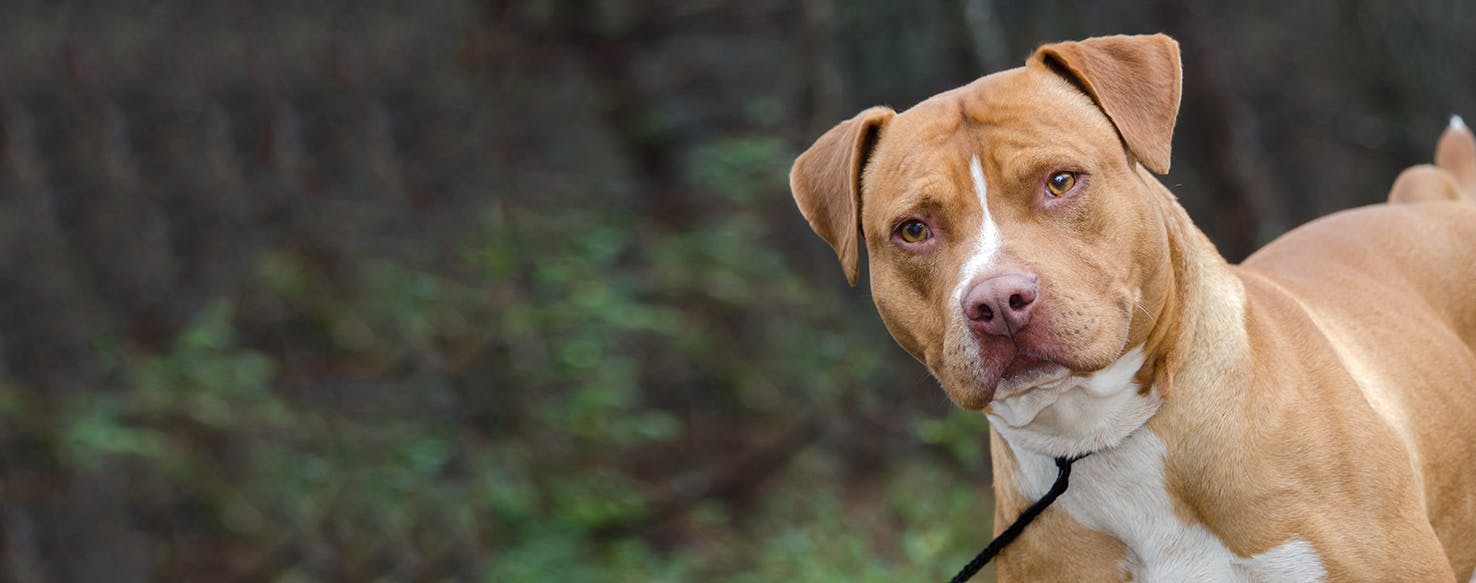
<point>515,290</point>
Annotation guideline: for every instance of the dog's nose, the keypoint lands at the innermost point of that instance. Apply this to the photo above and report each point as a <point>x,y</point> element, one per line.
<point>1000,303</point>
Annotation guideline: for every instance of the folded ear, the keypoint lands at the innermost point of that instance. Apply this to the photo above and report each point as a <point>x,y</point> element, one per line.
<point>826,182</point>
<point>1136,80</point>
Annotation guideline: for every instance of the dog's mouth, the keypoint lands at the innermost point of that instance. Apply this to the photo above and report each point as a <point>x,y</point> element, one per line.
<point>981,369</point>
<point>1028,371</point>
<point>1007,371</point>
<point>1025,365</point>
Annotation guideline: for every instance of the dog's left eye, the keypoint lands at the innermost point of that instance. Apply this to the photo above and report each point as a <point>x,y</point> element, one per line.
<point>1060,183</point>
<point>915,232</point>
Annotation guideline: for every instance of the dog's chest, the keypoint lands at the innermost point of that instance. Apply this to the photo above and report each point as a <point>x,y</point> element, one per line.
<point>1121,492</point>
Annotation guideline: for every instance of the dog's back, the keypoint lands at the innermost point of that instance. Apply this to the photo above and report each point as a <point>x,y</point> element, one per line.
<point>1405,270</point>
<point>1420,248</point>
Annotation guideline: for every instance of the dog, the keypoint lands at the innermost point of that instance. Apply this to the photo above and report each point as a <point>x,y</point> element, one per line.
<point>1308,414</point>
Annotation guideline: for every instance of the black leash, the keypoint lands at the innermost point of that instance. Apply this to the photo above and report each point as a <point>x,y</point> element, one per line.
<point>1010,534</point>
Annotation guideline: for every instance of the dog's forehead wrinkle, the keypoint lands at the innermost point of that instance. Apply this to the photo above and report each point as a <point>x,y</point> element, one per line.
<point>920,151</point>
<point>921,179</point>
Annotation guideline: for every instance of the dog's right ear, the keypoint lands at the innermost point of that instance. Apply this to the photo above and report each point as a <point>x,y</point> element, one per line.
<point>826,182</point>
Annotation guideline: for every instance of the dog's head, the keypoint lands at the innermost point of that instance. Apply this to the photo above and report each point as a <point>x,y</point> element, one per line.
<point>1013,238</point>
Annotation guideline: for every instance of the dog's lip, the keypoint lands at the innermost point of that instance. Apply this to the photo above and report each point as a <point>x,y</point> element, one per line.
<point>1026,372</point>
<point>1024,364</point>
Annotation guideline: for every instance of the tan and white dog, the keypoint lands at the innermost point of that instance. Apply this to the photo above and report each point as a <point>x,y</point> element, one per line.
<point>1307,415</point>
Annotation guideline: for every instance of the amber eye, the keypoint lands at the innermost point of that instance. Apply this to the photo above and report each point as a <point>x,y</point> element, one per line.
<point>915,232</point>
<point>1060,183</point>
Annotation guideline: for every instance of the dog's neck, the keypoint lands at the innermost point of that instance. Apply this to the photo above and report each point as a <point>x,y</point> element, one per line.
<point>1198,335</point>
<point>1193,336</point>
<point>1140,432</point>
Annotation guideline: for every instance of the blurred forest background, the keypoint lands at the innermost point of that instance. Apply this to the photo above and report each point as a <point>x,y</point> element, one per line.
<point>514,290</point>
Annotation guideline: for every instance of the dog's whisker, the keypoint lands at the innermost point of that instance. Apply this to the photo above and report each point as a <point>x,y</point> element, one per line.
<point>1145,312</point>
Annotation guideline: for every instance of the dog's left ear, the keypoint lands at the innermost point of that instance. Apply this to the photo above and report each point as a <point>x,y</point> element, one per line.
<point>1136,80</point>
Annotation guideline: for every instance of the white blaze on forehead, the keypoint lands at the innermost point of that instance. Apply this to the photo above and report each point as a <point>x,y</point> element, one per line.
<point>988,243</point>
<point>988,231</point>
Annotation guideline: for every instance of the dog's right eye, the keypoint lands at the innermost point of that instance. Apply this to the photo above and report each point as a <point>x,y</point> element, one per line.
<point>1060,183</point>
<point>914,231</point>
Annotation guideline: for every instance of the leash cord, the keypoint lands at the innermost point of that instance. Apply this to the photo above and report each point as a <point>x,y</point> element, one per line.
<point>1063,478</point>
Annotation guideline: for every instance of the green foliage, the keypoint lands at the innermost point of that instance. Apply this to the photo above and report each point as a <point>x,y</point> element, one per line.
<point>439,292</point>
<point>351,440</point>
<point>610,303</point>
<point>204,380</point>
<point>207,378</point>
<point>960,432</point>
<point>742,170</point>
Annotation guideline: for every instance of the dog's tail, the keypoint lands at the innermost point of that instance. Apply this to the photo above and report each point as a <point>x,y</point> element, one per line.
<point>1452,177</point>
<point>1456,153</point>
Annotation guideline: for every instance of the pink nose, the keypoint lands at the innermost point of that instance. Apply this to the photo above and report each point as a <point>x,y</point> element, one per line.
<point>1000,303</point>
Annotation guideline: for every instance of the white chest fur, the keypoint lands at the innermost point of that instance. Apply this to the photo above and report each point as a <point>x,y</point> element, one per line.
<point>1121,492</point>
<point>1120,489</point>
